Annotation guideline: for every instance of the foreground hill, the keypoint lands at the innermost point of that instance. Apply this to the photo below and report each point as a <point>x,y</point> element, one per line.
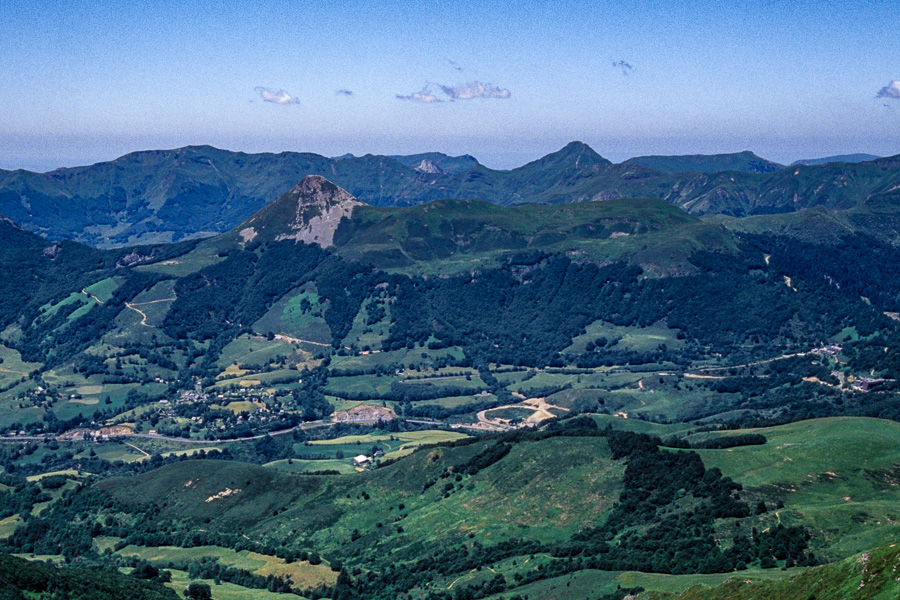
<point>170,195</point>
<point>871,575</point>
<point>524,512</point>
<point>21,579</point>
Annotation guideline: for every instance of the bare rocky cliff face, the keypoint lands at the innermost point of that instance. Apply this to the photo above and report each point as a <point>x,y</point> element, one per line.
<point>309,213</point>
<point>427,166</point>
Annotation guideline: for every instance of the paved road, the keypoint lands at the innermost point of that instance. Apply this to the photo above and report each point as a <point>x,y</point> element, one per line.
<point>155,436</point>
<point>302,426</point>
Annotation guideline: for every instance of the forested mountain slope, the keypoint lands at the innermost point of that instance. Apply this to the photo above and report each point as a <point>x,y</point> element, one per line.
<point>170,195</point>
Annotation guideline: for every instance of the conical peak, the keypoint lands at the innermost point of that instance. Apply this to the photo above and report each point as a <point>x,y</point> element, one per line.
<point>317,188</point>
<point>310,213</point>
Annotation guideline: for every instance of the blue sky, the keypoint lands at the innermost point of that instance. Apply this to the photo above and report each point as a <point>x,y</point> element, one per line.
<point>507,82</point>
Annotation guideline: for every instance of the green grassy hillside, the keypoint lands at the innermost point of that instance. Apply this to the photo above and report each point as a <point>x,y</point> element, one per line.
<point>449,236</point>
<point>871,575</point>
<point>21,579</point>
<point>518,496</point>
<point>837,476</point>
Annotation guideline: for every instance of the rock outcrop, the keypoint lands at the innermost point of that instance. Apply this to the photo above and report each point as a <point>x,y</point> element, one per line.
<point>309,213</point>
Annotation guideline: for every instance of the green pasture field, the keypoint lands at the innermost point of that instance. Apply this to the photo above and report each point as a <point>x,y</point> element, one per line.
<point>162,291</point>
<point>8,525</point>
<point>104,289</point>
<point>637,426</point>
<point>220,591</point>
<point>10,413</point>
<point>131,415</point>
<point>369,384</point>
<point>158,446</point>
<point>369,336</point>
<point>403,443</point>
<point>256,350</point>
<point>48,310</point>
<point>638,339</point>
<point>297,465</point>
<point>520,497</point>
<point>154,313</point>
<point>298,315</point>
<point>119,450</point>
<point>456,401</point>
<point>342,404</point>
<point>64,376</point>
<point>13,368</point>
<point>95,400</point>
<point>837,476</point>
<point>204,255</point>
<point>544,380</point>
<point>301,572</point>
<point>513,412</point>
<point>509,378</point>
<point>347,450</point>
<point>68,472</point>
<point>54,496</point>
<point>239,406</point>
<point>591,583</point>
<point>130,327</point>
<point>473,382</point>
<point>405,357</point>
<point>346,386</point>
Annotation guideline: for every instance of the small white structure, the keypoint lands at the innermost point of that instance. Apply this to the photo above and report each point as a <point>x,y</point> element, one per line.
<point>361,460</point>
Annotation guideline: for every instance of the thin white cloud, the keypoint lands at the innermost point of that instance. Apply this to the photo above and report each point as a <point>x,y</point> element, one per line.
<point>891,90</point>
<point>475,89</point>
<point>424,97</point>
<point>279,97</point>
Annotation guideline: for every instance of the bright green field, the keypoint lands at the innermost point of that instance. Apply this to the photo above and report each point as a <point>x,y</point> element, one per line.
<point>13,368</point>
<point>591,583</point>
<point>204,255</point>
<point>220,591</point>
<point>402,443</point>
<point>868,576</point>
<point>839,476</point>
<point>302,573</point>
<point>103,290</point>
<point>298,315</point>
<point>639,339</point>
<point>8,525</point>
<point>295,465</point>
<point>253,350</point>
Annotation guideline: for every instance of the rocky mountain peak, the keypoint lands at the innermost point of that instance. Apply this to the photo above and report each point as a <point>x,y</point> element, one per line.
<point>309,213</point>
<point>316,190</point>
<point>427,166</point>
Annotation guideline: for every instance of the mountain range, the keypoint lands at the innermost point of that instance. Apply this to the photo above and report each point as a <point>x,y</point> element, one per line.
<point>197,191</point>
<point>457,398</point>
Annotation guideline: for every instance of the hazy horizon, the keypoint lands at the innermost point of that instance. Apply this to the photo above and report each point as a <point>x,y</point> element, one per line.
<point>499,165</point>
<point>504,82</point>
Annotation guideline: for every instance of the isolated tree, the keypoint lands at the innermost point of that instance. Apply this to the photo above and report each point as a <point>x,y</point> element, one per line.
<point>199,591</point>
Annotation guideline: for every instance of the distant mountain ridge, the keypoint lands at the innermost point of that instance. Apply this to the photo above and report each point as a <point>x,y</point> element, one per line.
<point>744,162</point>
<point>847,158</point>
<point>168,195</point>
